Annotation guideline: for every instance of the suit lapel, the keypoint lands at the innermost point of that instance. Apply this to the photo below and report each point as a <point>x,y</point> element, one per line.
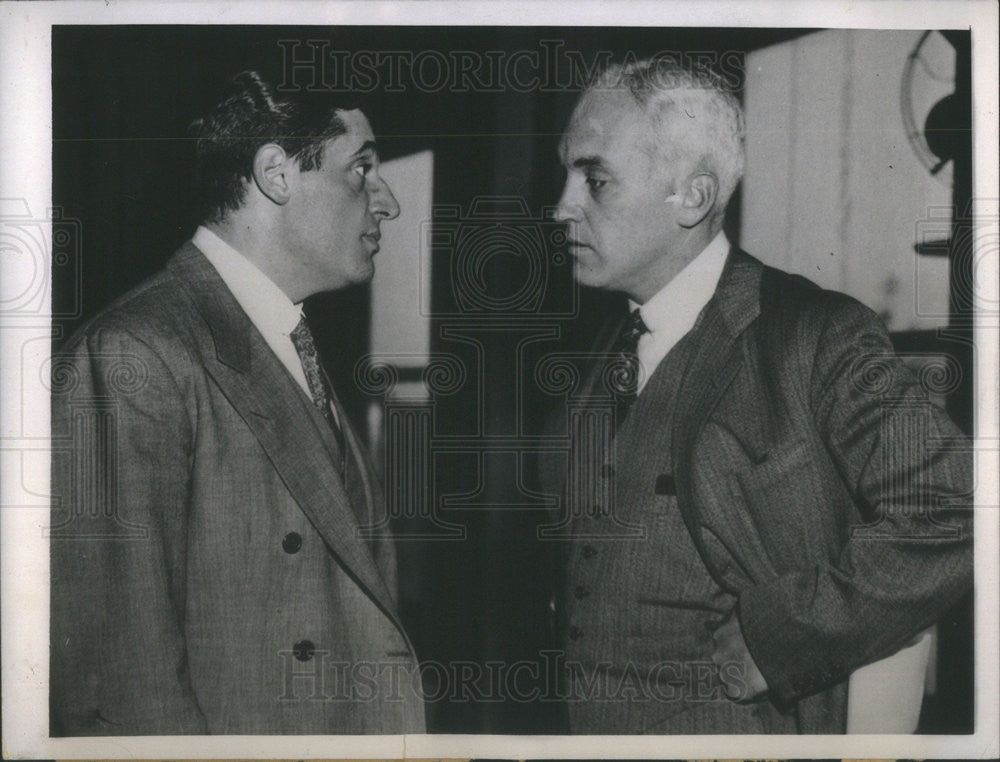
<point>715,361</point>
<point>292,432</point>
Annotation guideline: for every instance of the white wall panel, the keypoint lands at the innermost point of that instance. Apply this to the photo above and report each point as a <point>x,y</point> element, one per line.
<point>833,190</point>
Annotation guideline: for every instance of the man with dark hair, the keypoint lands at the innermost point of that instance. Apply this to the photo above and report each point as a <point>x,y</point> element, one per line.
<point>771,501</point>
<point>217,561</point>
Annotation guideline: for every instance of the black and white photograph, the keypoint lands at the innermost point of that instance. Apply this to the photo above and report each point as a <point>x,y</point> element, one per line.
<point>508,380</point>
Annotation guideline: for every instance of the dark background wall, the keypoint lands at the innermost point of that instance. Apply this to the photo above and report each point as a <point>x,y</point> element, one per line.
<point>122,98</point>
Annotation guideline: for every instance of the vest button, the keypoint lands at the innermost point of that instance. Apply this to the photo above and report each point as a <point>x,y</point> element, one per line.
<point>608,471</point>
<point>589,551</point>
<point>292,542</point>
<point>304,650</point>
<point>575,633</point>
<point>580,592</point>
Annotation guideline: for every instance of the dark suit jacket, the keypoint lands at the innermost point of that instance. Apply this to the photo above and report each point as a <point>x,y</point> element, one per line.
<point>207,574</point>
<point>822,490</point>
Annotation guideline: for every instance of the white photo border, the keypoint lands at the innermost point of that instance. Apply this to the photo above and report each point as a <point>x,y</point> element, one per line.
<point>26,172</point>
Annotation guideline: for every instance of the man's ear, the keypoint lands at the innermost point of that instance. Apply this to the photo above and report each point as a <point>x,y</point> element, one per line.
<point>697,199</point>
<point>271,172</point>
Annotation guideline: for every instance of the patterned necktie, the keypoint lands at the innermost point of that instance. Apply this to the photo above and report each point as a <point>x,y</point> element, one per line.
<point>322,397</point>
<point>625,377</point>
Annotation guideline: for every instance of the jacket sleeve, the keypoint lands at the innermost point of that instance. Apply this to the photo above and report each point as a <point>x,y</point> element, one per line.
<point>909,470</point>
<point>122,453</point>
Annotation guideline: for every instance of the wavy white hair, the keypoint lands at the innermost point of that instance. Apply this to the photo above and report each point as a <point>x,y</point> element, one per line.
<point>694,113</point>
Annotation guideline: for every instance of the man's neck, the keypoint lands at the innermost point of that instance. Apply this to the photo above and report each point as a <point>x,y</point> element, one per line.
<point>671,265</point>
<point>252,240</point>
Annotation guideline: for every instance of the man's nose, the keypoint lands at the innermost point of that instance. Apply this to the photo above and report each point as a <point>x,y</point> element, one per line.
<point>383,202</point>
<point>567,210</point>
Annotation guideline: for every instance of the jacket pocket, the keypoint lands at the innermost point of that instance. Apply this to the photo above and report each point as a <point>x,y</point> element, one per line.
<point>782,496</point>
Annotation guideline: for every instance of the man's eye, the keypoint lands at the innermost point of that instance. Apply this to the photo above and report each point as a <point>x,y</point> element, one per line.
<point>363,169</point>
<point>595,183</point>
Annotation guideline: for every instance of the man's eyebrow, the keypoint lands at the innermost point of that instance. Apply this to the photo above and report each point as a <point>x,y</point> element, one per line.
<point>588,162</point>
<point>367,147</point>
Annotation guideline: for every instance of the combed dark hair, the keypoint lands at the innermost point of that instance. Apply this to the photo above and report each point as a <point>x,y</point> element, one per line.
<point>252,115</point>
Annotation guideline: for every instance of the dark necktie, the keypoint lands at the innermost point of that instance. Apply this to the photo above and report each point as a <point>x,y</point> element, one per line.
<point>625,378</point>
<point>322,396</point>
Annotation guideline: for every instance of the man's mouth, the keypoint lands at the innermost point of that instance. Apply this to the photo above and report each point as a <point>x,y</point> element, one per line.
<point>373,239</point>
<point>573,243</point>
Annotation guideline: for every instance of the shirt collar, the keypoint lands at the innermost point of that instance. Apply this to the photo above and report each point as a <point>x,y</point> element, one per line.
<point>682,299</point>
<point>267,306</point>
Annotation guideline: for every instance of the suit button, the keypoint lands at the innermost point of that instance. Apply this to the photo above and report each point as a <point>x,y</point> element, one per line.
<point>575,633</point>
<point>608,471</point>
<point>581,592</point>
<point>589,551</point>
<point>304,650</point>
<point>292,542</point>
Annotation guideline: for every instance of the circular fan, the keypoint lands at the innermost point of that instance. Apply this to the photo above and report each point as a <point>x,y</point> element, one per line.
<point>946,124</point>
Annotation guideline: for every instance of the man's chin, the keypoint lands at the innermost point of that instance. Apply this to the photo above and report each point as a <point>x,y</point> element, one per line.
<point>357,277</point>
<point>592,277</point>
<point>365,273</point>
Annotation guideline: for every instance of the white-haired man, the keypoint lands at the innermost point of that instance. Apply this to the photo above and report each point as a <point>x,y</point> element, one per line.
<point>754,531</point>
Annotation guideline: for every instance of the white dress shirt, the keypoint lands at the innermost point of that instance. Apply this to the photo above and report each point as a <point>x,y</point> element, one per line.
<point>673,310</point>
<point>271,312</point>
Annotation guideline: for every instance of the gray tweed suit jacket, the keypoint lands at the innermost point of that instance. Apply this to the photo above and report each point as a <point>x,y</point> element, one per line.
<point>827,498</point>
<point>207,573</point>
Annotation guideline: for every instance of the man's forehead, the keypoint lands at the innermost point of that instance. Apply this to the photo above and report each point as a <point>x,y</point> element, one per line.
<point>603,121</point>
<point>357,137</point>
